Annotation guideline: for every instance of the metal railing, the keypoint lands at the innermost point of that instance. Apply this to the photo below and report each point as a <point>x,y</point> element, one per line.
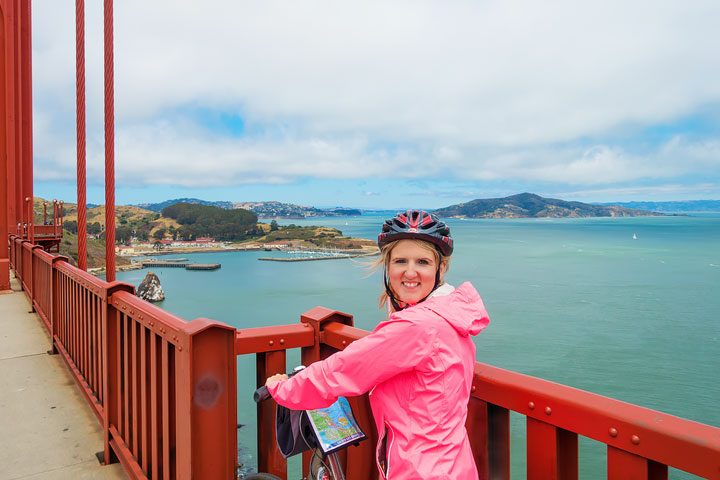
<point>165,391</point>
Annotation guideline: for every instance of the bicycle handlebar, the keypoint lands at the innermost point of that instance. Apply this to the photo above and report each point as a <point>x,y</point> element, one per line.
<point>262,392</point>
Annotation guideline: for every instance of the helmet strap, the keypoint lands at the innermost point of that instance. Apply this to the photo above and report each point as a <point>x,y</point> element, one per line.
<point>391,294</point>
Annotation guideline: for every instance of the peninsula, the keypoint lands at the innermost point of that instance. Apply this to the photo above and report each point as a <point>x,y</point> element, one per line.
<point>529,205</point>
<point>193,227</point>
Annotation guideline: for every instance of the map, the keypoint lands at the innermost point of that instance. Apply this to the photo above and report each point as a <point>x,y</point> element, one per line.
<point>335,426</point>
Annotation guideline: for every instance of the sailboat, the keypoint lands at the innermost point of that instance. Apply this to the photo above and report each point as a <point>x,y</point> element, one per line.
<point>634,237</point>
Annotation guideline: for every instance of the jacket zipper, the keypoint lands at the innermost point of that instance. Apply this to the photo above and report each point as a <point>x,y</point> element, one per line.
<point>392,440</point>
<point>385,472</point>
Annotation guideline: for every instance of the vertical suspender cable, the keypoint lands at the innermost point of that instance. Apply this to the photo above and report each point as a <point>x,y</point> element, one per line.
<point>109,146</point>
<point>80,109</point>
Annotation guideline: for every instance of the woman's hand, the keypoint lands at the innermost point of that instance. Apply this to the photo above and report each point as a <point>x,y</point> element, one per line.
<point>277,378</point>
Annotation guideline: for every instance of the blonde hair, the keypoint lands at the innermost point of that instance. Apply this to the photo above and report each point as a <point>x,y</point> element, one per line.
<point>383,261</point>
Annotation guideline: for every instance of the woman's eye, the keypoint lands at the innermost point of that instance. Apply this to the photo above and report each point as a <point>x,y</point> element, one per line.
<point>424,262</point>
<point>399,260</point>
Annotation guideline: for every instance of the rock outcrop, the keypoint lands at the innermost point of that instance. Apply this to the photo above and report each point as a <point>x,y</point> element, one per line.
<point>150,289</point>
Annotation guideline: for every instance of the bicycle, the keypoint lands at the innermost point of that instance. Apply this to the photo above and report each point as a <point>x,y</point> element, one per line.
<point>325,431</point>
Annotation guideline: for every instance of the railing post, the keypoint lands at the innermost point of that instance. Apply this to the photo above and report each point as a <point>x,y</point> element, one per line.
<point>110,337</point>
<point>499,444</point>
<point>11,255</point>
<point>54,306</point>
<point>317,318</point>
<point>28,276</point>
<point>206,380</point>
<point>270,459</point>
<point>628,466</point>
<point>488,429</point>
<point>6,257</point>
<point>33,287</point>
<point>551,452</point>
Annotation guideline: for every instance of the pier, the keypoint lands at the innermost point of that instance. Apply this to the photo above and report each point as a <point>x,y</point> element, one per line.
<point>156,264</point>
<point>312,258</point>
<point>203,266</point>
<point>180,264</point>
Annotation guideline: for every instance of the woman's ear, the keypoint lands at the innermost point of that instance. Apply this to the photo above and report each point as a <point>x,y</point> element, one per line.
<point>443,268</point>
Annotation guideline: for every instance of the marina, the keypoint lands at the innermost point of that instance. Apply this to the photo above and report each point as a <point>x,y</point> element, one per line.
<point>313,255</point>
<point>313,258</point>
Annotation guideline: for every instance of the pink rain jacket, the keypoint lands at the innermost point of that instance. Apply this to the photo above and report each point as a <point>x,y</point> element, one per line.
<point>418,367</point>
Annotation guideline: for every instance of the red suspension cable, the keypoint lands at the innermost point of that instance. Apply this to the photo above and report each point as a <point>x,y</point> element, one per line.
<point>80,109</point>
<point>109,146</point>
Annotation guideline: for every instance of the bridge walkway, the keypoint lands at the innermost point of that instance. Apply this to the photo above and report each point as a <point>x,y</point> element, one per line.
<point>48,430</point>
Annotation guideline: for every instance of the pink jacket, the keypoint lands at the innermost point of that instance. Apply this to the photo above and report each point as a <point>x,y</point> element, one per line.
<point>418,367</point>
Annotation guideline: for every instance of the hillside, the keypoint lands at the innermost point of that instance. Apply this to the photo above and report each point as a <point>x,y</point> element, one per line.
<point>158,207</point>
<point>266,209</point>
<point>289,210</point>
<point>129,221</point>
<point>529,205</point>
<point>316,237</point>
<point>95,251</point>
<point>208,221</point>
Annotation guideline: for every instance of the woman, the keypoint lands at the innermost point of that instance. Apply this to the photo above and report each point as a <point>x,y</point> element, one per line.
<point>418,365</point>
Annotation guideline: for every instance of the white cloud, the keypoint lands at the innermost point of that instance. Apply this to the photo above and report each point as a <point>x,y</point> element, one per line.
<point>485,90</point>
<point>658,192</point>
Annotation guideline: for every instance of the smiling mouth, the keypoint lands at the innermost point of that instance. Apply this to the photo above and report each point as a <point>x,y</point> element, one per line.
<point>410,284</point>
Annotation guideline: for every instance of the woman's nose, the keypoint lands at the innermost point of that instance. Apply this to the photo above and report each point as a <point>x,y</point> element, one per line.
<point>411,270</point>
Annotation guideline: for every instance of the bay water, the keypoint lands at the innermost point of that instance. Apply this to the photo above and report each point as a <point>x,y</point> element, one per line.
<point>623,307</point>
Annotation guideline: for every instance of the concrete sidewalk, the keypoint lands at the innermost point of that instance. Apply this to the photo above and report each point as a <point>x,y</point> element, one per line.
<point>47,430</point>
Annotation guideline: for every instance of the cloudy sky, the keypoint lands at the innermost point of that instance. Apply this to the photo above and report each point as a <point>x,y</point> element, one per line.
<point>387,104</point>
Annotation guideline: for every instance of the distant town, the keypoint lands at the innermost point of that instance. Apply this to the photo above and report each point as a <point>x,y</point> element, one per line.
<point>269,209</point>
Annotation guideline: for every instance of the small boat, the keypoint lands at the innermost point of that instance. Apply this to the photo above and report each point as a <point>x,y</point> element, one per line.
<point>634,237</point>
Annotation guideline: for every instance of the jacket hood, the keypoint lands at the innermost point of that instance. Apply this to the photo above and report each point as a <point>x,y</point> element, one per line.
<point>462,308</point>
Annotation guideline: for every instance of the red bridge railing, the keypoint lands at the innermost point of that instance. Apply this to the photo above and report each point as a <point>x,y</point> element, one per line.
<point>165,391</point>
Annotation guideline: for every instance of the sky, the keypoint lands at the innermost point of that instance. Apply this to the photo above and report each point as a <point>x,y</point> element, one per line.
<point>386,104</point>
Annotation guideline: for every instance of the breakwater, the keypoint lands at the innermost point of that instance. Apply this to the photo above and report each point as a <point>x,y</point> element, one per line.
<point>180,264</point>
<point>311,258</point>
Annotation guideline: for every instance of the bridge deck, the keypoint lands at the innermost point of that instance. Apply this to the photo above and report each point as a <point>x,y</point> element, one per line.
<point>48,431</point>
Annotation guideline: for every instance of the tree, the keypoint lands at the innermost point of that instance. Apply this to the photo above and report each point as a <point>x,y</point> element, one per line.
<point>207,221</point>
<point>159,234</point>
<point>273,226</point>
<point>94,228</point>
<point>123,234</point>
<point>70,226</point>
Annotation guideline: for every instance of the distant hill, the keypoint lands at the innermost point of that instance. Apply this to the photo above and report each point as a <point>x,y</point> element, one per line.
<point>274,209</point>
<point>529,205</point>
<point>158,207</point>
<point>686,206</point>
<point>209,221</point>
<point>269,209</point>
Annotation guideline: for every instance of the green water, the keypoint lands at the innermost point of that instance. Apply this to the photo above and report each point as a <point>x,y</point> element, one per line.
<point>576,301</point>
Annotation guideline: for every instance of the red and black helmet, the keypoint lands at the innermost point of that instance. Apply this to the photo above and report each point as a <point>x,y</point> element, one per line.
<point>420,225</point>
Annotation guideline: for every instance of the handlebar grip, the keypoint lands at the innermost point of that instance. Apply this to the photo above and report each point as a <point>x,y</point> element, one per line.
<point>261,394</point>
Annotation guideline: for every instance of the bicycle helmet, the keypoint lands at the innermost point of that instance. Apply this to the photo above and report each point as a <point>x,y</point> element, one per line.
<point>420,225</point>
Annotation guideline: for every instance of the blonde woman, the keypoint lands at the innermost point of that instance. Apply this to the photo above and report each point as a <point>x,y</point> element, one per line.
<point>417,366</point>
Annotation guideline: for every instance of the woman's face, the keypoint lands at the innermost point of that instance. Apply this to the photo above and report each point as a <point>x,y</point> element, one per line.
<point>411,271</point>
